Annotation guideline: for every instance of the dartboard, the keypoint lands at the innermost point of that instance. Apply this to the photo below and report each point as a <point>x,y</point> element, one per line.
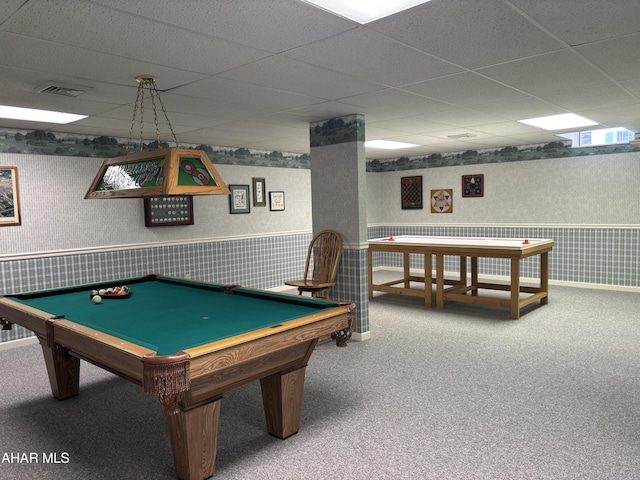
<point>442,201</point>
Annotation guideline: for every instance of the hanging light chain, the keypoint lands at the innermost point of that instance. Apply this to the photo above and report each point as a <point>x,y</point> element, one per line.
<point>148,81</point>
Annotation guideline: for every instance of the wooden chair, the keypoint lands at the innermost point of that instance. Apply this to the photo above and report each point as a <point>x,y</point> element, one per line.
<point>323,258</point>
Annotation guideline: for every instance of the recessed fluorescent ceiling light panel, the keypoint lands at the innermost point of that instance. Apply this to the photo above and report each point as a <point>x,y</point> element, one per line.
<point>388,145</point>
<point>559,122</point>
<point>34,115</point>
<point>365,11</point>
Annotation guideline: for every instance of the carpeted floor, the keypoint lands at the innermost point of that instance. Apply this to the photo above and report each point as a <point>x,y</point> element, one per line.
<point>459,393</point>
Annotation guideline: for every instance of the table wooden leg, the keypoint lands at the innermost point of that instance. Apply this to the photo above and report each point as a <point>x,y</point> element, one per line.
<point>474,275</point>
<point>63,370</point>
<point>515,289</point>
<point>282,400</point>
<point>428,280</point>
<point>544,277</point>
<point>463,270</point>
<point>439,281</point>
<point>194,437</point>
<point>406,263</point>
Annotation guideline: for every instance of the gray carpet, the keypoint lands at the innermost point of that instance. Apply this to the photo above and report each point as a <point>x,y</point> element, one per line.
<point>461,393</point>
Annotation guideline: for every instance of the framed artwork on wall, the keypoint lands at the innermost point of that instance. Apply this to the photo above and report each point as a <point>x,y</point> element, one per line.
<point>239,199</point>
<point>259,197</point>
<point>442,201</point>
<point>9,198</point>
<point>473,185</point>
<point>276,201</point>
<point>168,211</point>
<point>411,192</point>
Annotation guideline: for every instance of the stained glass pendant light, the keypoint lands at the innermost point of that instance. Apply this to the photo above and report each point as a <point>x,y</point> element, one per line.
<point>168,171</point>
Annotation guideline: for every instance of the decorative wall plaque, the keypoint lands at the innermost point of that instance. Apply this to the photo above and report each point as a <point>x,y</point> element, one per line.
<point>442,201</point>
<point>473,185</point>
<point>168,211</point>
<point>411,192</point>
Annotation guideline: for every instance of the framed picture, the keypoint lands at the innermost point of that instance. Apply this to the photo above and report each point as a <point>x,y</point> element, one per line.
<point>9,198</point>
<point>276,201</point>
<point>239,199</point>
<point>259,197</point>
<point>411,192</point>
<point>473,185</point>
<point>442,201</point>
<point>168,211</point>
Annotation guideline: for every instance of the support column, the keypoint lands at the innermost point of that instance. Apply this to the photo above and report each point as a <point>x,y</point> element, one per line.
<point>338,195</point>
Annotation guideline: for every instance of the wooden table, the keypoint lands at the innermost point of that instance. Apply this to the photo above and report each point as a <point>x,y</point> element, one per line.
<point>187,342</point>
<point>464,289</point>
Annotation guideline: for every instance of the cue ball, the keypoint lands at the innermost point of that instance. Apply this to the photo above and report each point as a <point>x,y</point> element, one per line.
<point>97,299</point>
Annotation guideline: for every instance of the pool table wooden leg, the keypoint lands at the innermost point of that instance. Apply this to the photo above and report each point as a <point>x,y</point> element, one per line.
<point>282,400</point>
<point>194,437</point>
<point>63,370</point>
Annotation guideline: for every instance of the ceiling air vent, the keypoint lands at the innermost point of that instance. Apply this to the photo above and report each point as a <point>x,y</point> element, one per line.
<point>52,88</point>
<point>461,135</point>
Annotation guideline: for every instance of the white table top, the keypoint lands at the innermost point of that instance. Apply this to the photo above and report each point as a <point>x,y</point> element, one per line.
<point>477,242</point>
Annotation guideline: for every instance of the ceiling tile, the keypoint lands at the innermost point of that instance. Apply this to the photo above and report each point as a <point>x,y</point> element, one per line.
<point>373,57</point>
<point>505,128</point>
<point>417,124</point>
<point>547,73</point>
<point>8,8</point>
<point>464,89</point>
<point>39,55</point>
<point>266,99</point>
<point>632,86</point>
<point>463,117</point>
<point>291,75</point>
<point>58,103</point>
<point>627,116</point>
<point>132,37</point>
<point>467,33</point>
<point>272,25</point>
<point>621,66</point>
<point>521,108</point>
<point>586,21</point>
<point>591,96</point>
<point>396,103</point>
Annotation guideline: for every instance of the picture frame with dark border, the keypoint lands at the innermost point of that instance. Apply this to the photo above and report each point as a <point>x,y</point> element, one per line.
<point>411,191</point>
<point>276,201</point>
<point>259,192</point>
<point>168,211</point>
<point>473,185</point>
<point>9,197</point>
<point>239,199</point>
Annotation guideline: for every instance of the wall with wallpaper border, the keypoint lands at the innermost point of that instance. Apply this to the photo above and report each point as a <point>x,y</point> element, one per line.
<point>589,205</point>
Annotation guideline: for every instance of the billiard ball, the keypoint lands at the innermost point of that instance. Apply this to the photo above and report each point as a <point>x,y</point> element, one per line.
<point>96,299</point>
<point>102,291</point>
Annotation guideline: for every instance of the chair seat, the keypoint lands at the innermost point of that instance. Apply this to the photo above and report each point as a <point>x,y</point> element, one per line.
<point>309,284</point>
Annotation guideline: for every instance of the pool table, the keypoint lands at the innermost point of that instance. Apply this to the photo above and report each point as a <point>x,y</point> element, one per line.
<point>186,342</point>
<point>465,289</point>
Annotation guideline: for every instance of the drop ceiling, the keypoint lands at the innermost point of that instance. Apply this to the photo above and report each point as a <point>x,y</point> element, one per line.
<point>449,75</point>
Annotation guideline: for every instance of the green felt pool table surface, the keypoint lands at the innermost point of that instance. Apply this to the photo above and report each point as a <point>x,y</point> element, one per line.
<point>169,315</point>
